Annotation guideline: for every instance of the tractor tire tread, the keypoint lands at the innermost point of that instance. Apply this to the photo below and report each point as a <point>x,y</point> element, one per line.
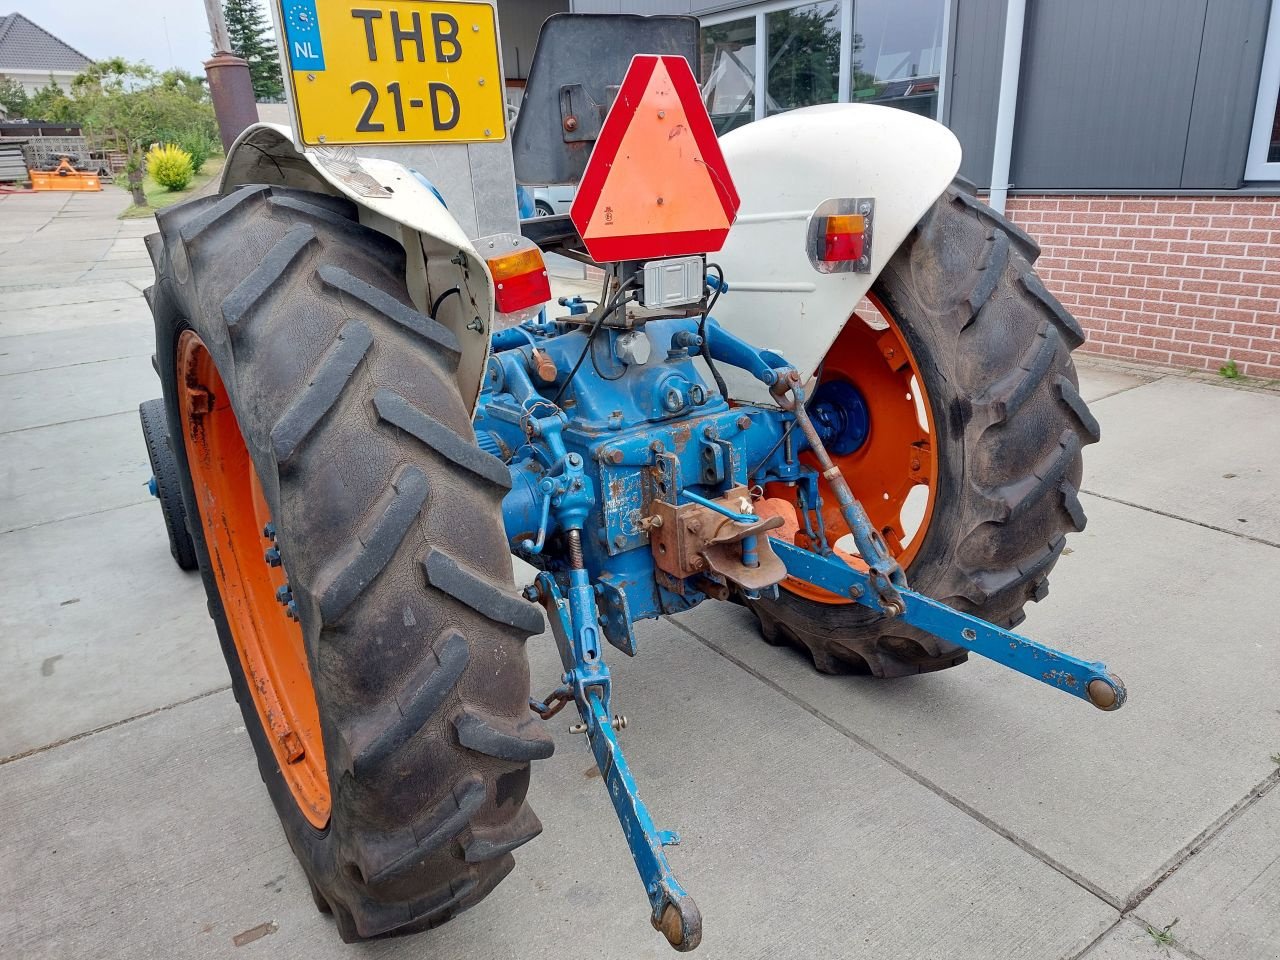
<point>516,743</point>
<point>439,337</point>
<point>448,575</point>
<point>401,572</point>
<point>395,410</point>
<point>322,391</point>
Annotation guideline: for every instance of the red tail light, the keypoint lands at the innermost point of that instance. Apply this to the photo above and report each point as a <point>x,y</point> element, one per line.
<point>519,280</point>
<point>843,237</point>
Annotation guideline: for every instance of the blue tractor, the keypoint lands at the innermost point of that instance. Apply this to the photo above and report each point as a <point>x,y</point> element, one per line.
<point>820,379</point>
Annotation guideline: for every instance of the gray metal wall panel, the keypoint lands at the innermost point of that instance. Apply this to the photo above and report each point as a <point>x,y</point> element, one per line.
<point>1106,93</point>
<point>644,7</point>
<point>973,82</point>
<point>1226,90</point>
<point>519,22</point>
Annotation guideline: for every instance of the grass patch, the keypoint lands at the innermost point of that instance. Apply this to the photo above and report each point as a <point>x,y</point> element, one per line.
<point>158,197</point>
<point>1229,371</point>
<point>1162,936</point>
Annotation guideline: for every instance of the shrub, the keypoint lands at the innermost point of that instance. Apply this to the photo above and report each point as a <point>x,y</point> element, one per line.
<point>193,139</point>
<point>170,166</point>
<point>199,144</point>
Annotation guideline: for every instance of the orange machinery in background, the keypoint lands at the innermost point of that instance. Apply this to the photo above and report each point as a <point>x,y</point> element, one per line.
<point>64,177</point>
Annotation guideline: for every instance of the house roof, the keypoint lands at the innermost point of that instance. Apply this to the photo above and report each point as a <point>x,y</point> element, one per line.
<point>26,46</point>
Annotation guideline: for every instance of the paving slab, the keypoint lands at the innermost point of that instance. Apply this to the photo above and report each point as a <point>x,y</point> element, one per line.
<point>1129,940</point>
<point>1196,450</point>
<point>1186,616</point>
<point>79,345</point>
<point>19,301</point>
<point>72,469</point>
<point>75,393</point>
<point>75,316</point>
<point>1098,382</point>
<point>1225,897</point>
<point>98,624</point>
<point>43,275</point>
<point>796,843</point>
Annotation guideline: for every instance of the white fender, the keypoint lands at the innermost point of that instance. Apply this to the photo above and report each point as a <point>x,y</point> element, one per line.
<point>785,166</point>
<point>393,201</point>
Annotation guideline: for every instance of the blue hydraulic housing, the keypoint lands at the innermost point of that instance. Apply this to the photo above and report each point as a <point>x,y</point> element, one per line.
<point>646,427</point>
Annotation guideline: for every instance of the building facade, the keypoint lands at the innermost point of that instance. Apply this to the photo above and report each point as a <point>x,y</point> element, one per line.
<point>1137,140</point>
<point>33,57</point>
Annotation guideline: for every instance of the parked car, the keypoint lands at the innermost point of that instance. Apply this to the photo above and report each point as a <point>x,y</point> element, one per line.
<point>553,200</point>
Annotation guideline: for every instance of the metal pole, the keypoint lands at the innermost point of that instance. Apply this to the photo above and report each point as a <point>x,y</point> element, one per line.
<point>1010,68</point>
<point>230,85</point>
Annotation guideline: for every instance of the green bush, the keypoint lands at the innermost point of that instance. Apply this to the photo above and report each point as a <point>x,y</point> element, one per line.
<point>199,144</point>
<point>170,166</point>
<point>195,140</point>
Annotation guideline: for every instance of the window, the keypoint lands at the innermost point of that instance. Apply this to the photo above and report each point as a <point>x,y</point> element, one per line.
<point>729,72</point>
<point>778,55</point>
<point>897,53</point>
<point>1264,146</point>
<point>803,56</point>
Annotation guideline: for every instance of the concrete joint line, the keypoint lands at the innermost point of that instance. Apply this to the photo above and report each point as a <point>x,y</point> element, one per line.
<point>1174,516</point>
<point>1201,840</point>
<point>64,366</point>
<point>111,726</point>
<point>77,516</point>
<point>1136,386</point>
<point>972,812</point>
<point>62,423</point>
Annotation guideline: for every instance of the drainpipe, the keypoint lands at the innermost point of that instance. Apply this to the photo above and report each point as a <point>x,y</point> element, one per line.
<point>1010,67</point>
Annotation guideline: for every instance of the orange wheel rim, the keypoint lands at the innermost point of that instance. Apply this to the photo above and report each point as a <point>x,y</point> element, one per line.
<point>898,456</point>
<point>234,516</point>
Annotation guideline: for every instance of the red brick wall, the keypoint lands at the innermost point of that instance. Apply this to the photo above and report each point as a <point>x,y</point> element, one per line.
<point>1180,281</point>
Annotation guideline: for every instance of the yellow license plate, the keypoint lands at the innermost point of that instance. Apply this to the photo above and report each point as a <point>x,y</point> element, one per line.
<point>394,71</point>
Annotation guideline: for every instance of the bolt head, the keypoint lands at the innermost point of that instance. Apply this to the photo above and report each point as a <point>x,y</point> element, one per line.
<point>619,541</point>
<point>744,422</point>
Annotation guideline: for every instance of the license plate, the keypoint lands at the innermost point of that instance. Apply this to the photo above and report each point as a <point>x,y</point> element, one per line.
<point>394,71</point>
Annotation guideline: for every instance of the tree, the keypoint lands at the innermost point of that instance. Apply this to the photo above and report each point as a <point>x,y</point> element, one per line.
<point>253,39</point>
<point>13,97</point>
<point>137,106</point>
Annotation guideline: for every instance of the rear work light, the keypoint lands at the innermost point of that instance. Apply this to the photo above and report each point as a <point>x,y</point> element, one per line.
<point>839,236</point>
<point>519,280</point>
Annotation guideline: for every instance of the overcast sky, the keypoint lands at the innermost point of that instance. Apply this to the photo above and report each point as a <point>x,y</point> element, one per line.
<point>135,30</point>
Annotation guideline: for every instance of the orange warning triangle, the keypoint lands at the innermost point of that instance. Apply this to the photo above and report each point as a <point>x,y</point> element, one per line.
<point>656,184</point>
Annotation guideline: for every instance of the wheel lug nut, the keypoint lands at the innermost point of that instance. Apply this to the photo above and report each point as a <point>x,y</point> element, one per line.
<point>272,556</point>
<point>284,594</point>
<point>269,531</point>
<point>292,610</point>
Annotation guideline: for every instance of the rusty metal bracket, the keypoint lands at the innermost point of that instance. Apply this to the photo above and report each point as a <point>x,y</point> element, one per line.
<point>694,539</point>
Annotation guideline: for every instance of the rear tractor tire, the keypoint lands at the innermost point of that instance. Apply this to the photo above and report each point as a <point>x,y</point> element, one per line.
<point>967,330</point>
<point>350,539</point>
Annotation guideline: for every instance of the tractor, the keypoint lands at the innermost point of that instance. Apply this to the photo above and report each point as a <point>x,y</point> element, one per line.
<point>820,379</point>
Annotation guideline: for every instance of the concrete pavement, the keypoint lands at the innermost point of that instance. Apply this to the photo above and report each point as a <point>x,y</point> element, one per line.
<point>967,814</point>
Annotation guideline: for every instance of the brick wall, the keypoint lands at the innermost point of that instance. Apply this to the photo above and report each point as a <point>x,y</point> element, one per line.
<point>1180,281</point>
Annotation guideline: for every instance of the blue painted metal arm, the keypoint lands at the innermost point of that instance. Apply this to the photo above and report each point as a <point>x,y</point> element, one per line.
<point>574,624</point>
<point>1081,678</point>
